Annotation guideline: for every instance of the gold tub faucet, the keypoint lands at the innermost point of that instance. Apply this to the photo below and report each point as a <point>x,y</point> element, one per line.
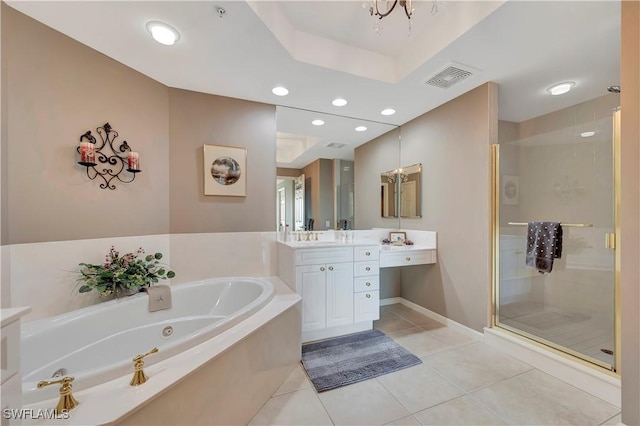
<point>138,375</point>
<point>67,402</point>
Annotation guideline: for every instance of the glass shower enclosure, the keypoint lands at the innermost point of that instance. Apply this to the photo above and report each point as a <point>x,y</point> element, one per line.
<point>559,169</point>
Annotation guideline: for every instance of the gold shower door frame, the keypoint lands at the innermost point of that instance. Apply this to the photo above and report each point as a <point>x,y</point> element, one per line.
<point>614,370</point>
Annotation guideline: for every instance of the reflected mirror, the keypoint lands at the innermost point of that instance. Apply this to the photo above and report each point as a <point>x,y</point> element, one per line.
<point>316,188</point>
<point>389,193</point>
<point>410,190</point>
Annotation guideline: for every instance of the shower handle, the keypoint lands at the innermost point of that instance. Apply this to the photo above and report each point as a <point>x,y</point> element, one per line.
<point>610,240</point>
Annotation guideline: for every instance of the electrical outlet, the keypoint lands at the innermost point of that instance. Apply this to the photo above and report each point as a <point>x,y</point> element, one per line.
<point>327,223</point>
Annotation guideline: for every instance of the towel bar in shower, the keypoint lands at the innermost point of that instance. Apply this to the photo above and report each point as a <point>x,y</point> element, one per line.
<point>573,225</point>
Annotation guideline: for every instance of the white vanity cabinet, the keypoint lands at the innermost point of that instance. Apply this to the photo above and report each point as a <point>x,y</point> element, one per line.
<point>324,279</point>
<point>340,281</point>
<point>327,294</point>
<point>366,297</point>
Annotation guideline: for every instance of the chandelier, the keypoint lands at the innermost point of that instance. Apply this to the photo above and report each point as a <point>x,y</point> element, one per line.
<point>383,8</point>
<point>381,11</point>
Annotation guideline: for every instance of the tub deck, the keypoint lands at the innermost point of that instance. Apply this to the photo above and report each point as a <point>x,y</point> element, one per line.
<point>116,402</point>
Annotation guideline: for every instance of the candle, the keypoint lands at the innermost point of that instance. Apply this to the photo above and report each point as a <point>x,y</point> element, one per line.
<point>133,160</point>
<point>87,152</point>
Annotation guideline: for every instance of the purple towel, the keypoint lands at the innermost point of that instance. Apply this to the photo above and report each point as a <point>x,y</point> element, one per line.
<point>544,243</point>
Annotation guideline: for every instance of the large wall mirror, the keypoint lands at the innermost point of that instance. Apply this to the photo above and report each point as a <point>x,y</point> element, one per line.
<point>316,175</point>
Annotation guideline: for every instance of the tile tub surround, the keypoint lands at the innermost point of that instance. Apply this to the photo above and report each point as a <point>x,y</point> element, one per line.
<point>450,388</point>
<point>43,275</point>
<point>240,369</point>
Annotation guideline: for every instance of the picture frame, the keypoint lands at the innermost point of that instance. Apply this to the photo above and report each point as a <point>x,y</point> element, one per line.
<point>225,171</point>
<point>396,236</point>
<point>510,190</point>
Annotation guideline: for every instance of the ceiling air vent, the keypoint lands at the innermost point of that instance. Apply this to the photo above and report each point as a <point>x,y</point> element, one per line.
<point>449,76</point>
<point>335,145</point>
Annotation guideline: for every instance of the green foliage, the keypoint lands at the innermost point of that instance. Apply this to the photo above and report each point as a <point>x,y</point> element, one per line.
<point>129,271</point>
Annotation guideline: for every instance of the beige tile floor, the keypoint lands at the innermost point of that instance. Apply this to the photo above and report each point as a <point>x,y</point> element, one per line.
<point>460,382</point>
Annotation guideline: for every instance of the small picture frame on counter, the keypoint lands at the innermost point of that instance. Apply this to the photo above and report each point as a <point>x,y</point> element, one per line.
<point>397,237</point>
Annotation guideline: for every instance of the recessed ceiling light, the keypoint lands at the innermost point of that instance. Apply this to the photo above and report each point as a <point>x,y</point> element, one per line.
<point>339,102</point>
<point>280,91</point>
<point>360,129</point>
<point>163,33</point>
<point>317,122</point>
<point>388,111</point>
<point>587,134</point>
<point>561,88</point>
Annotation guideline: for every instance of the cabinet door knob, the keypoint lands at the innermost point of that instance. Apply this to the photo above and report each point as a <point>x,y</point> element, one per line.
<point>322,268</point>
<point>367,253</point>
<point>367,268</point>
<point>331,268</point>
<point>368,296</point>
<point>408,259</point>
<point>368,284</point>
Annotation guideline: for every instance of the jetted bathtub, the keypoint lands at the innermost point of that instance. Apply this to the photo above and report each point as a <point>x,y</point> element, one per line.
<point>97,343</point>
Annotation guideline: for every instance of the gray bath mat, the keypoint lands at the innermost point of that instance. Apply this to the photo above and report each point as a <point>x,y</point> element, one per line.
<point>350,359</point>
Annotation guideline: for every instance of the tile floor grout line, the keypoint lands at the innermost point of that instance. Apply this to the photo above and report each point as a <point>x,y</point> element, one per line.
<point>611,418</point>
<point>507,422</point>
<point>324,407</point>
<point>395,397</point>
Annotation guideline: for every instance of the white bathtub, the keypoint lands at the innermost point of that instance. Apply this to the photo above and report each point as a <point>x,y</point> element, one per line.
<point>96,344</point>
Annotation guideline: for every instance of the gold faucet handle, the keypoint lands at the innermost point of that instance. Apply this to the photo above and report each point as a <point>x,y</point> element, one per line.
<point>142,356</point>
<point>65,381</point>
<point>138,375</point>
<point>67,402</point>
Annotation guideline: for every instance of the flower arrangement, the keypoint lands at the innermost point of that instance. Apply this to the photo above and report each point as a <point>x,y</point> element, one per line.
<point>124,274</point>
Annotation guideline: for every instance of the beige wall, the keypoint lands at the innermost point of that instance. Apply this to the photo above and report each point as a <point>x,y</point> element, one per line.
<point>630,212</point>
<point>454,152</point>
<point>197,119</point>
<point>56,89</point>
<point>285,172</point>
<point>5,294</point>
<point>455,196</point>
<point>371,159</point>
<point>319,190</point>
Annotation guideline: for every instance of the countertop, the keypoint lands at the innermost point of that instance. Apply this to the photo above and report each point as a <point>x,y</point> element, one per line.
<point>353,243</point>
<point>10,315</point>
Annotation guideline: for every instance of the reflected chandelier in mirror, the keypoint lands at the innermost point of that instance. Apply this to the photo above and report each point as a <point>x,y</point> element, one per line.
<point>400,189</point>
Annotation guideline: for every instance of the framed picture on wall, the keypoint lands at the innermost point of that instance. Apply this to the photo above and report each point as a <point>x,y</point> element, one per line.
<point>225,171</point>
<point>510,189</point>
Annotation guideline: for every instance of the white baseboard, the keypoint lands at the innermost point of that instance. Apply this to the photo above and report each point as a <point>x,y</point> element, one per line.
<point>434,316</point>
<point>599,384</point>
<point>390,301</point>
<point>326,333</point>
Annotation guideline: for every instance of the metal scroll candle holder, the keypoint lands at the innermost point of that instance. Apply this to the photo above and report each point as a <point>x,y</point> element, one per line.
<point>95,155</point>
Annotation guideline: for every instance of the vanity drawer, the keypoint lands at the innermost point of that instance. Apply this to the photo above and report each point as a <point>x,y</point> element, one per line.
<point>407,257</point>
<point>324,255</point>
<point>366,253</point>
<point>366,283</point>
<point>366,306</point>
<point>366,268</point>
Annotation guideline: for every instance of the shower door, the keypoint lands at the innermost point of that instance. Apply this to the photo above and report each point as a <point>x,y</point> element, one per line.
<point>561,175</point>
